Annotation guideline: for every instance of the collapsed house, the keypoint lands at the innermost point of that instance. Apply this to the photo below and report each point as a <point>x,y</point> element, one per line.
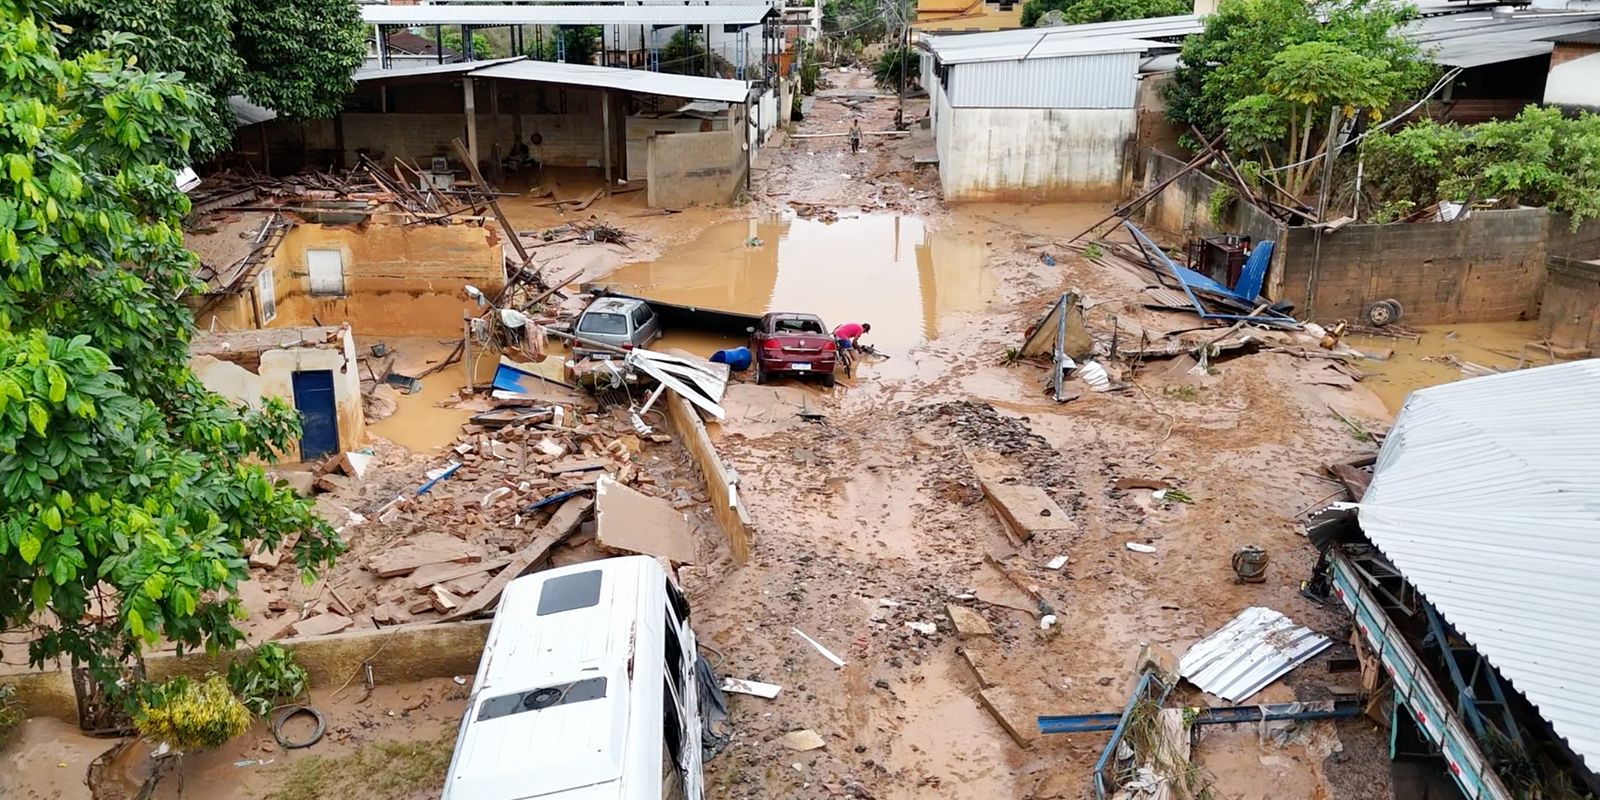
<point>1468,564</point>
<point>298,252</point>
<point>314,370</point>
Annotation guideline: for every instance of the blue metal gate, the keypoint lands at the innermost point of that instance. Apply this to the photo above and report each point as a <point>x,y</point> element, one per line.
<point>319,422</point>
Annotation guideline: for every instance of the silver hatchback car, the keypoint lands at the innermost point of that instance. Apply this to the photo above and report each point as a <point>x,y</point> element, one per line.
<point>617,321</point>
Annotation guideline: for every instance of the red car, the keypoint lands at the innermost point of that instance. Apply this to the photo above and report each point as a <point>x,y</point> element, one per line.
<point>793,344</point>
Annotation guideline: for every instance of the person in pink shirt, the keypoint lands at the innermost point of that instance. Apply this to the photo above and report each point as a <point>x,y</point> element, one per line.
<point>848,333</point>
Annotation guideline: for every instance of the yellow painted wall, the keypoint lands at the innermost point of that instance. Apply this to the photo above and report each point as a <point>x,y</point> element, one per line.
<point>274,377</point>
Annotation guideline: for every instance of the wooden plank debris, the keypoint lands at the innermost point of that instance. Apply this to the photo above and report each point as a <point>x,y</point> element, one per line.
<point>1025,510</point>
<point>549,536</point>
<point>424,550</point>
<point>629,521</point>
<point>321,625</point>
<point>426,576</point>
<point>980,657</point>
<point>1008,709</point>
<point>968,623</point>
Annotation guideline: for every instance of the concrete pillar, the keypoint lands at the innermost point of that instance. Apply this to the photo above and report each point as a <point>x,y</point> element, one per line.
<point>605,128</point>
<point>472,119</point>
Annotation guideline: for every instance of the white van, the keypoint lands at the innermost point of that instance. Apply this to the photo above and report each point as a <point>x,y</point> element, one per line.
<point>587,689</point>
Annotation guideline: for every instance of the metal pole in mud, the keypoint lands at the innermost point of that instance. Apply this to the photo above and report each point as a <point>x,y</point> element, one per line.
<point>466,351</point>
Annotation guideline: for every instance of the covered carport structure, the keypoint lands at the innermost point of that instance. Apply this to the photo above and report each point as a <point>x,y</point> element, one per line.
<point>638,30</point>
<point>600,118</point>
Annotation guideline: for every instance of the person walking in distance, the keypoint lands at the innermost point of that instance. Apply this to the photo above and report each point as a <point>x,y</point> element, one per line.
<point>855,135</point>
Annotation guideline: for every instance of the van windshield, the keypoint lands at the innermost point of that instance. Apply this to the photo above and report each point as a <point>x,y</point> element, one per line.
<point>601,322</point>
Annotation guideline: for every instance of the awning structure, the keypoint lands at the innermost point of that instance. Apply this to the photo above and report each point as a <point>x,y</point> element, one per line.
<point>1485,498</point>
<point>628,80</point>
<point>427,70</point>
<point>481,14</point>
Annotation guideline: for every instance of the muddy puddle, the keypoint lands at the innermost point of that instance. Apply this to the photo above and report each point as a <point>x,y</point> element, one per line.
<point>891,271</point>
<point>1432,360</point>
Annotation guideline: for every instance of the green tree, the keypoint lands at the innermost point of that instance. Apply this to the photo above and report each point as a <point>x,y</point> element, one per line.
<point>481,46</point>
<point>1539,158</point>
<point>685,54</point>
<point>896,63</point>
<point>126,487</point>
<point>582,45</point>
<point>1263,68</point>
<point>1080,12</point>
<point>293,56</point>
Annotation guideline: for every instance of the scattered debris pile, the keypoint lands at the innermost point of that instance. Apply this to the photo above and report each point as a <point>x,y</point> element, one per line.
<point>513,496</point>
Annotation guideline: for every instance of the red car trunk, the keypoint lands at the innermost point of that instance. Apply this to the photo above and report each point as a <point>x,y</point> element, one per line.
<point>793,344</point>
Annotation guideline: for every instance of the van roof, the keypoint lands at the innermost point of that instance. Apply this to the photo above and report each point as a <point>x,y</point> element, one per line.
<point>568,627</point>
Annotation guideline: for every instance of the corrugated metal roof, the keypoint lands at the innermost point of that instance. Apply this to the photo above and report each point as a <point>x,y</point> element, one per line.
<point>1478,38</point>
<point>564,14</point>
<point>1590,36</point>
<point>1100,80</point>
<point>1045,45</point>
<point>1486,495</point>
<point>248,113</point>
<point>1153,28</point>
<point>631,80</point>
<point>1254,649</point>
<point>457,68</point>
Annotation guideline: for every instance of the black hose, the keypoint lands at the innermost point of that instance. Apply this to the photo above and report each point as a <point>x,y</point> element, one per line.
<point>282,715</point>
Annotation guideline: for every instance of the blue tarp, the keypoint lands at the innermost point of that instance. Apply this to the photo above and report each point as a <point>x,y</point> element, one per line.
<point>1243,296</point>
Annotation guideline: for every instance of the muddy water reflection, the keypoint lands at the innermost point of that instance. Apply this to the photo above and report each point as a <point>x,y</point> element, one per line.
<point>888,270</point>
<point>1492,344</point>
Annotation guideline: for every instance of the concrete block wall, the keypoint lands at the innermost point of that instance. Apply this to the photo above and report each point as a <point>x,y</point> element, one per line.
<point>1570,314</point>
<point>688,169</point>
<point>1488,267</point>
<point>570,140</point>
<point>1033,153</point>
<point>639,130</point>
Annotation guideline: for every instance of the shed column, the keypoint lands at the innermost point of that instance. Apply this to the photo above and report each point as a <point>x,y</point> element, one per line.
<point>605,128</point>
<point>472,119</point>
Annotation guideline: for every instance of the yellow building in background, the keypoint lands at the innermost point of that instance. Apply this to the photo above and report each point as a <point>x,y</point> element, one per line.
<point>966,16</point>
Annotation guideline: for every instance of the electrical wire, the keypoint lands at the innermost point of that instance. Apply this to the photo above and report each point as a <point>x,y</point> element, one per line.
<point>1444,81</point>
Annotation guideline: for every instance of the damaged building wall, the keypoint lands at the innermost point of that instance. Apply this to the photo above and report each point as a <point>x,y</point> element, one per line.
<point>639,129</point>
<point>1487,267</point>
<point>252,365</point>
<point>695,168</point>
<point>395,279</point>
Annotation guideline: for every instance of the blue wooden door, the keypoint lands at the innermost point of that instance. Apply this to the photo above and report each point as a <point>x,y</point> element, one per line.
<point>319,422</point>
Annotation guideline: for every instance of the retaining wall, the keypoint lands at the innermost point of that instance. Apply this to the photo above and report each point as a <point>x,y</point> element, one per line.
<point>721,483</point>
<point>1570,316</point>
<point>398,655</point>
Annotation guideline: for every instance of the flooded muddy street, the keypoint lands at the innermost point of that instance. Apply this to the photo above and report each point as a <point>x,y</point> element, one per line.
<point>1439,353</point>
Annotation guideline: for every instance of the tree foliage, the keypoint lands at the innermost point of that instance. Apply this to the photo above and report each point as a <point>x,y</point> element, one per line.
<point>481,46</point>
<point>685,54</point>
<point>189,715</point>
<point>1078,12</point>
<point>894,64</point>
<point>126,488</point>
<point>1538,158</point>
<point>293,56</point>
<point>582,44</point>
<point>1271,72</point>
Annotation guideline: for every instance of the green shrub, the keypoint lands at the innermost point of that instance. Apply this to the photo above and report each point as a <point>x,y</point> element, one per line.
<point>192,716</point>
<point>268,676</point>
<point>11,714</point>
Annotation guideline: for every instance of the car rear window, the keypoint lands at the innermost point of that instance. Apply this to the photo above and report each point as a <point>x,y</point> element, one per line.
<point>602,322</point>
<point>797,326</point>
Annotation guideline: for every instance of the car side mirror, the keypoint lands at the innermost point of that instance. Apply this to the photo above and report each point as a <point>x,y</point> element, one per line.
<point>749,330</point>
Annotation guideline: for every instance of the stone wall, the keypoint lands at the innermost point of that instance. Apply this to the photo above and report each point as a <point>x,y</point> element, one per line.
<point>688,169</point>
